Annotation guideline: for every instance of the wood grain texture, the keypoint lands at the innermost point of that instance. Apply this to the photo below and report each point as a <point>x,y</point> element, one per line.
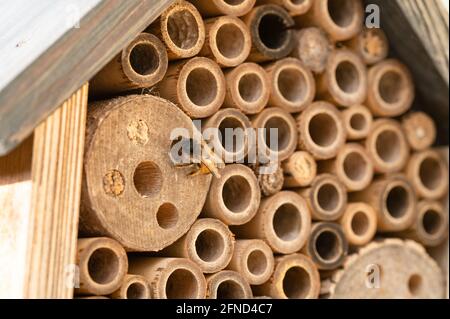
<point>40,185</point>
<point>71,61</point>
<point>15,200</point>
<point>56,174</point>
<point>418,34</point>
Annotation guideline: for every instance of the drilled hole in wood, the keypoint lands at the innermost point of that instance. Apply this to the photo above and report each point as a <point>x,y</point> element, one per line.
<point>250,87</point>
<point>323,130</point>
<point>103,266</point>
<point>296,283</point>
<point>328,246</point>
<point>183,29</point>
<point>347,77</point>
<point>148,179</point>
<point>432,222</point>
<point>431,173</point>
<point>388,146</point>
<point>272,31</point>
<point>167,216</point>
<point>181,284</point>
<point>397,202</point>
<point>256,262</point>
<point>391,87</point>
<point>209,245</point>
<point>415,284</point>
<point>360,224</point>
<point>342,12</point>
<point>201,86</point>
<point>237,194</point>
<point>287,222</point>
<point>136,291</point>
<point>292,84</point>
<point>144,59</point>
<point>229,289</point>
<point>355,166</point>
<point>328,197</point>
<point>230,40</point>
<point>277,134</point>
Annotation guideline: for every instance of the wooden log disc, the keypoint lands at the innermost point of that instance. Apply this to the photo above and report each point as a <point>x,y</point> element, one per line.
<point>406,272</point>
<point>132,191</point>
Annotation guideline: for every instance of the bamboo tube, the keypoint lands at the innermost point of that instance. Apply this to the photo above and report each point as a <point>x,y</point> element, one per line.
<point>352,166</point>
<point>394,201</point>
<point>390,88</point>
<point>327,245</point>
<point>272,36</point>
<point>431,225</point>
<point>371,44</point>
<point>341,19</point>
<point>283,221</point>
<point>234,197</point>
<point>253,259</point>
<point>270,183</point>
<point>212,8</point>
<point>387,147</point>
<point>357,122</point>
<point>313,47</point>
<point>209,243</point>
<point>320,130</point>
<point>138,177</point>
<point>170,278</point>
<point>228,41</point>
<point>142,64</point>
<point>428,174</point>
<point>326,198</point>
<point>359,223</point>
<point>133,287</point>
<point>344,82</point>
<point>102,263</point>
<point>286,140</point>
<point>292,85</point>
<point>228,284</point>
<point>228,132</point>
<point>299,169</point>
<point>420,130</point>
<point>294,7</point>
<point>181,29</point>
<point>247,88</point>
<point>295,277</point>
<point>196,85</point>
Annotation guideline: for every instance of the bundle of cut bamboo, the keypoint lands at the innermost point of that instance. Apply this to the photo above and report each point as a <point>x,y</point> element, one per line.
<point>350,164</point>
